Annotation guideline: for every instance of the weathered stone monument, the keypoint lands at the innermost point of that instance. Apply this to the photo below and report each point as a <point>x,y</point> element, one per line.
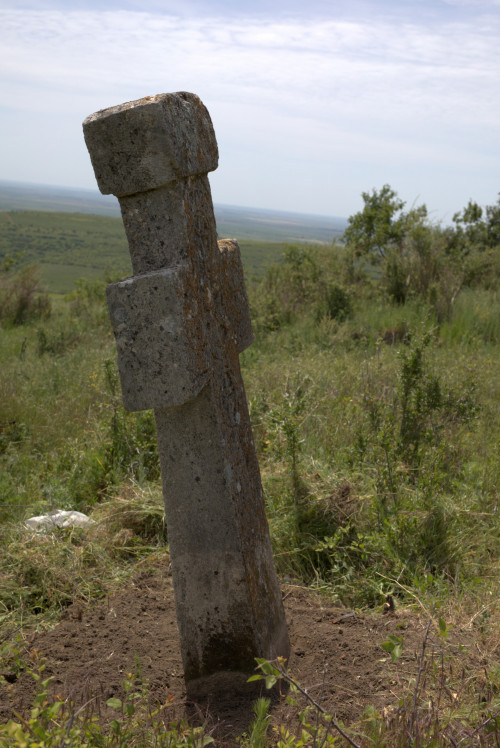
<point>180,323</point>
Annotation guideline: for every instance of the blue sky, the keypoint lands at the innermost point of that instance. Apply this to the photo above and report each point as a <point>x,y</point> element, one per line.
<point>312,102</point>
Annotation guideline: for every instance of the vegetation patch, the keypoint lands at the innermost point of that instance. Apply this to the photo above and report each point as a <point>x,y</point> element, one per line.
<point>374,395</point>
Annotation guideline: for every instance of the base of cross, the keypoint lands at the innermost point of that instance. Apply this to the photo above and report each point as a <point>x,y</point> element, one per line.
<point>218,688</point>
<point>228,599</point>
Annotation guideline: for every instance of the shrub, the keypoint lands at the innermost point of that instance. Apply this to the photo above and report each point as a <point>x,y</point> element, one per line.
<point>306,282</point>
<point>21,297</point>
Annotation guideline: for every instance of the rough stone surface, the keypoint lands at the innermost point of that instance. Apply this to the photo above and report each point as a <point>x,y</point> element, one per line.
<point>146,309</point>
<point>147,143</point>
<point>180,324</point>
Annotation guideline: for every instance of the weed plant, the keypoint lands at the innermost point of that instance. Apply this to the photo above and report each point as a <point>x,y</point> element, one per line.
<point>21,295</point>
<point>54,723</point>
<point>370,431</point>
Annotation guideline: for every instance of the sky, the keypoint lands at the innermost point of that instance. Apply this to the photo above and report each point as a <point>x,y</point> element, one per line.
<point>313,101</point>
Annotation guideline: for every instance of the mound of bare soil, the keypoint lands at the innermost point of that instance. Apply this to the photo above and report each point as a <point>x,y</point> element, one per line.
<point>336,655</point>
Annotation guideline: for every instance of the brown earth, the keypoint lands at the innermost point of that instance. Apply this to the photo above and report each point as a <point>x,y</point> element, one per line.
<point>336,655</point>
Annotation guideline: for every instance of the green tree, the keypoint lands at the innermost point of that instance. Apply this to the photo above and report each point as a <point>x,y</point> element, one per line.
<point>493,224</point>
<point>384,234</point>
<point>470,228</point>
<point>477,229</point>
<point>379,225</point>
<point>474,242</point>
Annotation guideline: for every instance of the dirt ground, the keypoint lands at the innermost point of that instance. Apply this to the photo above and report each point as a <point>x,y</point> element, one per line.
<point>336,655</point>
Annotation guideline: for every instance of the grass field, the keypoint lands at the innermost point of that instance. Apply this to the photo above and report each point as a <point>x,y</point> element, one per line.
<point>79,233</point>
<point>37,197</point>
<point>70,246</point>
<point>74,240</point>
<point>377,428</point>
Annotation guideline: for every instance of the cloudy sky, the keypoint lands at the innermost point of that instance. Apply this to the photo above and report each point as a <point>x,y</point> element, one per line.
<point>313,101</point>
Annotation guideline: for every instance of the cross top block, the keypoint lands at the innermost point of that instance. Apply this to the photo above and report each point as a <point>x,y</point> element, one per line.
<point>145,144</point>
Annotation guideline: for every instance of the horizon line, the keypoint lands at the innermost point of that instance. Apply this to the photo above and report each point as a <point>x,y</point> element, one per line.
<point>98,195</point>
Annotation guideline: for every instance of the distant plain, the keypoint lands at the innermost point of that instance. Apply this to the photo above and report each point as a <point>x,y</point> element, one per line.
<point>79,233</point>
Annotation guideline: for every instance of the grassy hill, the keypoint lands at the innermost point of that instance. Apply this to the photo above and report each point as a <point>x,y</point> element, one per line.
<point>376,423</point>
<point>79,233</point>
<point>377,436</point>
<point>69,246</point>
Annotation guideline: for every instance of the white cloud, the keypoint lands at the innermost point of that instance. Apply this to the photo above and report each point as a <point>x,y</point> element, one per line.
<point>376,89</point>
<point>291,64</point>
<point>476,4</point>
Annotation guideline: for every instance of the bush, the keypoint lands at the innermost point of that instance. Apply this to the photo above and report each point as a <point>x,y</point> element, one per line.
<point>415,258</point>
<point>21,297</point>
<point>337,303</point>
<point>306,282</point>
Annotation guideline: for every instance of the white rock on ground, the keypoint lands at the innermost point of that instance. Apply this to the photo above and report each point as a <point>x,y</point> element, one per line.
<point>58,518</point>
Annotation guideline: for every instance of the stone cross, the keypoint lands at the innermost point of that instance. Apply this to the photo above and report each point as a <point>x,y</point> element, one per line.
<point>180,323</point>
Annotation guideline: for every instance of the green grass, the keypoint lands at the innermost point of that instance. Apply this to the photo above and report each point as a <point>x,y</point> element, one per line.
<point>377,433</point>
<point>70,246</point>
<point>64,238</point>
<point>327,403</point>
<point>62,279</point>
<point>258,255</point>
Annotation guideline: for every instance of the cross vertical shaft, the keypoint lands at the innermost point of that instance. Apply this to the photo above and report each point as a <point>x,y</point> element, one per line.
<point>180,323</point>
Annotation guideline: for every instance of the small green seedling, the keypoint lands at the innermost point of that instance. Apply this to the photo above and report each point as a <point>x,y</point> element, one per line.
<point>394,645</point>
<point>444,630</point>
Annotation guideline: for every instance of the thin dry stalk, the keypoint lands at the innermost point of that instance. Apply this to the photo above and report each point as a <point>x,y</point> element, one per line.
<point>316,705</point>
<point>421,667</point>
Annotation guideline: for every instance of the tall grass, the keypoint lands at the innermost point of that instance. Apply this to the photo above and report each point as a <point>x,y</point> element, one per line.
<point>371,478</point>
<point>65,439</point>
<point>476,319</point>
